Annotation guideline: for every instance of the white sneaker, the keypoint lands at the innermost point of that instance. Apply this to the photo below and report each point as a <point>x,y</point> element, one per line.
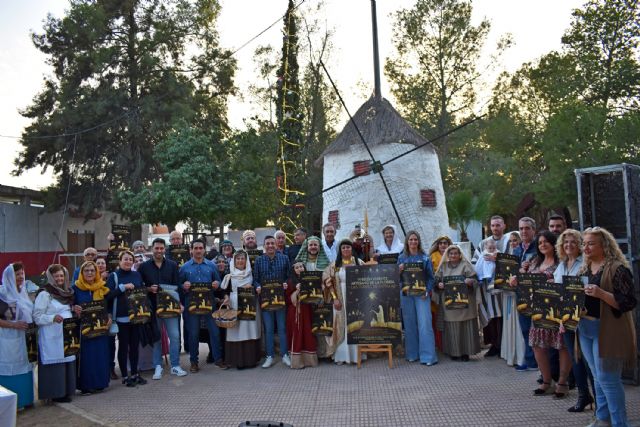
<point>177,370</point>
<point>158,373</point>
<point>267,362</point>
<point>286,360</point>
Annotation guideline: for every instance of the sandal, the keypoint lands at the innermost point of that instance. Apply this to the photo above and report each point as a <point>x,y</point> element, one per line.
<point>561,390</point>
<point>543,389</point>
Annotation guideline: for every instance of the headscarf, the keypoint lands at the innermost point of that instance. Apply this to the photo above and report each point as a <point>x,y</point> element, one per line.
<point>322,261</point>
<point>463,259</point>
<point>63,295</point>
<point>239,277</point>
<point>97,287</point>
<point>10,295</point>
<point>396,245</point>
<point>434,245</point>
<point>246,233</point>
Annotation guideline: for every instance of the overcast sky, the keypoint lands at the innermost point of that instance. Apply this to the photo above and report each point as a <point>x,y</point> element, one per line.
<point>536,28</point>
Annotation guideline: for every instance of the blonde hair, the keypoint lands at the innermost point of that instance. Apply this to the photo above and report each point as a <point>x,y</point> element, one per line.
<point>562,256</point>
<point>610,248</point>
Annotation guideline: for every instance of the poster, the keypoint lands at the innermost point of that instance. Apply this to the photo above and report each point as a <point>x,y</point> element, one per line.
<point>31,336</point>
<point>179,254</point>
<point>546,306</point>
<point>139,309</point>
<point>373,304</point>
<point>322,320</point>
<point>94,319</point>
<point>200,298</point>
<point>168,305</point>
<point>311,287</point>
<point>506,266</point>
<point>121,241</point>
<point>253,254</point>
<point>71,334</point>
<point>456,293</point>
<point>573,299</point>
<point>247,303</point>
<point>413,283</point>
<point>388,258</point>
<point>525,289</point>
<point>272,295</point>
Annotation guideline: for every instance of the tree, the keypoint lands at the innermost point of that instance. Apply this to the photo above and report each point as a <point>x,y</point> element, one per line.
<point>126,71</point>
<point>464,207</point>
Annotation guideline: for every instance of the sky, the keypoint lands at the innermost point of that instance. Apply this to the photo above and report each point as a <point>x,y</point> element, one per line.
<point>536,28</point>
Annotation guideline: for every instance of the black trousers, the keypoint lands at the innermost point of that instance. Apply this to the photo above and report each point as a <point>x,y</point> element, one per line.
<point>128,344</point>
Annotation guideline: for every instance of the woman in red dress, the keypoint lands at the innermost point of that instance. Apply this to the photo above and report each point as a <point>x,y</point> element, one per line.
<point>302,343</point>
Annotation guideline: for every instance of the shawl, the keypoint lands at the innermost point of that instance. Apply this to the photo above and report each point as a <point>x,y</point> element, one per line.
<point>63,295</point>
<point>9,294</point>
<point>98,287</point>
<point>396,245</point>
<point>463,268</point>
<point>240,277</point>
<point>303,255</point>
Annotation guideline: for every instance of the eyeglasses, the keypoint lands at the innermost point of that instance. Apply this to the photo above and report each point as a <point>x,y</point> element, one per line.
<point>444,242</point>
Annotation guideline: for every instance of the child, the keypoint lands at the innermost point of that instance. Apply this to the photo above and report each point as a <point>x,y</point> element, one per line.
<point>491,307</point>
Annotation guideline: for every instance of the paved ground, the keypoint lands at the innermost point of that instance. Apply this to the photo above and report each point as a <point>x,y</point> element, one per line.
<point>480,393</point>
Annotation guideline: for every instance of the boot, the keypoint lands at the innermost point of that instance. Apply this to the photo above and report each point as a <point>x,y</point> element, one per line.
<point>584,400</point>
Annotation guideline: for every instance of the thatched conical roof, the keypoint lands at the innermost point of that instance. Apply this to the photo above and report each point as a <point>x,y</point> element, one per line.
<point>379,123</point>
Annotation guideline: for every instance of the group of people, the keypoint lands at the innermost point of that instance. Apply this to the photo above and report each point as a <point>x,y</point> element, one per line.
<point>605,341</point>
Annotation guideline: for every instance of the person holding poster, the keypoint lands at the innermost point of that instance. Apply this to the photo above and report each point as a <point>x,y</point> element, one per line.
<point>242,347</point>
<point>94,371</point>
<point>334,279</point>
<point>607,333</point>
<point>121,282</point>
<point>56,373</point>
<point>435,253</point>
<point>419,339</point>
<point>15,316</point>
<point>461,337</point>
<point>300,340</point>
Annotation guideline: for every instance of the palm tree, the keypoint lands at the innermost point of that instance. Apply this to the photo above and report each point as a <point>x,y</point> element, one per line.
<point>463,207</point>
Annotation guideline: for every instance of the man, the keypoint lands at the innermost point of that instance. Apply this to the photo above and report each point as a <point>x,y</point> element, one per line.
<point>226,249</point>
<point>497,226</point>
<point>175,239</point>
<point>249,241</point>
<point>200,270</point>
<point>525,252</point>
<point>299,236</point>
<point>329,244</point>
<point>89,254</point>
<point>159,274</point>
<point>557,224</point>
<point>272,265</point>
<point>312,254</point>
<point>281,242</point>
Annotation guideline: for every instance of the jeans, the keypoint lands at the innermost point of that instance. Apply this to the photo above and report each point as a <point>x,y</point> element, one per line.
<point>419,340</point>
<point>172,325</point>
<point>525,325</point>
<point>128,345</point>
<point>609,391</point>
<point>269,318</point>
<point>194,335</point>
<point>580,369</point>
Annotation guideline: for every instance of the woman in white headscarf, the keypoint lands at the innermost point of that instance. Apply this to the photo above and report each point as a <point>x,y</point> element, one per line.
<point>391,243</point>
<point>15,316</point>
<point>242,348</point>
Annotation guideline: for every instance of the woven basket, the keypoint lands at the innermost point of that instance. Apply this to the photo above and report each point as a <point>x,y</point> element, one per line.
<point>225,317</point>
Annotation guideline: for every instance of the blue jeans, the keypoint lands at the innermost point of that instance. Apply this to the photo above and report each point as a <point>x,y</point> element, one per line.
<point>194,335</point>
<point>419,341</point>
<point>172,326</point>
<point>608,383</point>
<point>579,368</point>
<point>525,325</point>
<point>269,318</point>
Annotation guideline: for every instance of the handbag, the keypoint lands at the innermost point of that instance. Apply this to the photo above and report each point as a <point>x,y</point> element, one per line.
<point>113,329</point>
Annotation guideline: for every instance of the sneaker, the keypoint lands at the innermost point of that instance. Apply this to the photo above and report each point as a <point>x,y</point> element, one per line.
<point>268,362</point>
<point>139,380</point>
<point>194,367</point>
<point>220,364</point>
<point>521,368</point>
<point>286,360</point>
<point>158,373</point>
<point>177,370</point>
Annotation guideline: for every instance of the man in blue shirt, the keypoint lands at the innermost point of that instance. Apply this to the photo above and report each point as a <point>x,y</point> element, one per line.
<point>160,274</point>
<point>272,265</point>
<point>201,270</point>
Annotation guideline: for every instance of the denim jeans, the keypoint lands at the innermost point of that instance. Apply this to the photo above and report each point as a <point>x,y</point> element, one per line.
<point>525,325</point>
<point>269,318</point>
<point>419,340</point>
<point>172,325</point>
<point>194,335</point>
<point>609,390</point>
<point>579,368</point>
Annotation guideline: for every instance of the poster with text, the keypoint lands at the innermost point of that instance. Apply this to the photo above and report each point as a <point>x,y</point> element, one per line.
<point>272,295</point>
<point>139,307</point>
<point>388,258</point>
<point>311,287</point>
<point>94,319</point>
<point>200,298</point>
<point>31,336</point>
<point>506,266</point>
<point>168,305</point>
<point>247,303</point>
<point>121,241</point>
<point>71,336</point>
<point>573,300</point>
<point>253,254</point>
<point>322,320</point>
<point>413,283</point>
<point>456,293</point>
<point>179,254</point>
<point>546,306</point>
<point>524,291</point>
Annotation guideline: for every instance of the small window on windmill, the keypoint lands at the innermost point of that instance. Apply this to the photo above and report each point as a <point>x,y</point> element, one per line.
<point>334,218</point>
<point>362,167</point>
<point>428,198</point>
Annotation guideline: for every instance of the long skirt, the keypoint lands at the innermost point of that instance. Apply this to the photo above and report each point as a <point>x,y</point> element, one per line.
<point>22,385</point>
<point>301,342</point>
<point>512,348</point>
<point>57,380</point>
<point>95,366</point>
<point>242,354</point>
<point>461,338</point>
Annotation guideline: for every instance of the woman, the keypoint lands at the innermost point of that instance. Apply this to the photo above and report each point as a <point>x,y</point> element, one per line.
<point>416,310</point>
<point>607,332</point>
<point>435,252</point>
<point>56,373</point>
<point>514,242</point>
<point>121,283</point>
<point>95,366</point>
<point>104,275</point>
<point>391,241</point>
<point>512,347</point>
<point>302,343</point>
<point>334,279</point>
<point>242,348</point>
<point>15,315</point>
<point>461,335</point>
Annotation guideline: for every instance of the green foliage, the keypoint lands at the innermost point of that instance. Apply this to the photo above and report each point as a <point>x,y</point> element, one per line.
<point>464,207</point>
